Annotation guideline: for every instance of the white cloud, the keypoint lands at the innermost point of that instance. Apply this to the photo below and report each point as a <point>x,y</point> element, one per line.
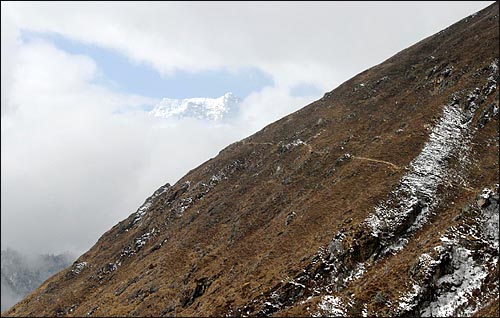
<point>61,153</point>
<point>319,42</point>
<point>274,102</point>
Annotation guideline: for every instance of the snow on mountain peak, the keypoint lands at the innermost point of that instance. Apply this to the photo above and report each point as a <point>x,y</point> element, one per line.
<point>200,108</point>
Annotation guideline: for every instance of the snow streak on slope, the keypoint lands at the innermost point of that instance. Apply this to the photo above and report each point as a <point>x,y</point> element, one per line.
<point>415,197</point>
<point>200,108</point>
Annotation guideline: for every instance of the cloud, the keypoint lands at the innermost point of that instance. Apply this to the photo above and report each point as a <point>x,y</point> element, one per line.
<point>9,297</point>
<point>63,152</point>
<point>322,43</point>
<point>274,102</point>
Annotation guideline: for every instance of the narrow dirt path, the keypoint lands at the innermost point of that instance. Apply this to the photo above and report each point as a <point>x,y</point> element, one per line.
<point>379,161</point>
<point>257,143</point>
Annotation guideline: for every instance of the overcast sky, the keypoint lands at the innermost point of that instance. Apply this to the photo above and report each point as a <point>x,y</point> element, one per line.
<point>78,151</point>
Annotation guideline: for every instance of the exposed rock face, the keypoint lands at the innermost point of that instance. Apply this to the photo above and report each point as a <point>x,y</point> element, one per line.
<point>381,198</point>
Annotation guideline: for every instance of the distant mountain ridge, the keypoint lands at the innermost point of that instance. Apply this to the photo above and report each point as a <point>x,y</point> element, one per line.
<point>200,108</point>
<point>21,274</point>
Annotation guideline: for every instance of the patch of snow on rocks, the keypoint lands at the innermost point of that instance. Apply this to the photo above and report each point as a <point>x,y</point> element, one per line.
<point>77,269</point>
<point>409,300</point>
<point>466,277</point>
<point>292,144</point>
<point>148,203</point>
<point>331,306</point>
<point>460,290</point>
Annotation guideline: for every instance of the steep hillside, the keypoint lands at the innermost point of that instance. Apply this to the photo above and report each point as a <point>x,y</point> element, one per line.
<point>381,198</point>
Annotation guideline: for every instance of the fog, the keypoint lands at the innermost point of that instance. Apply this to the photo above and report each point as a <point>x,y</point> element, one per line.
<point>23,273</point>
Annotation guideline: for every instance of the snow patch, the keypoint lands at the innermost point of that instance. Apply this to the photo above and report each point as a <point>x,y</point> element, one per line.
<point>494,66</point>
<point>293,144</point>
<point>143,239</point>
<point>364,311</point>
<point>78,268</point>
<point>466,277</point>
<point>357,273</point>
<point>460,290</point>
<point>144,208</point>
<point>410,299</point>
<point>331,306</point>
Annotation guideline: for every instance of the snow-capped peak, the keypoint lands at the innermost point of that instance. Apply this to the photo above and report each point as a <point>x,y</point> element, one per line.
<point>201,108</point>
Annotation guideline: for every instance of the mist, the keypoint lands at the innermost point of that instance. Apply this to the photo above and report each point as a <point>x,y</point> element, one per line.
<point>23,273</point>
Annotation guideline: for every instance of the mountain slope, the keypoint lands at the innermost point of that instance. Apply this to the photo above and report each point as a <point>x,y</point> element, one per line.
<point>381,198</point>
